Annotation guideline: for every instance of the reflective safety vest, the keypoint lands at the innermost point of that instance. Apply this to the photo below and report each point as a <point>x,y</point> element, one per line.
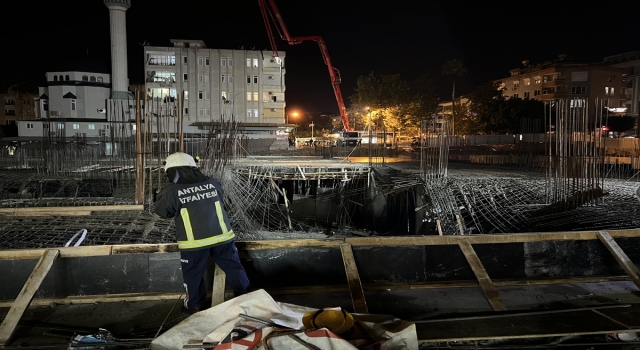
<point>201,220</point>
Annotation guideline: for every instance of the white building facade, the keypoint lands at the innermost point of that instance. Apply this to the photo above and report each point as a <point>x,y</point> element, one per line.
<point>247,86</point>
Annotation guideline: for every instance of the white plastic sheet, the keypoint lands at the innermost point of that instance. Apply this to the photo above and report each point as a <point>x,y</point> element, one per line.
<point>214,325</point>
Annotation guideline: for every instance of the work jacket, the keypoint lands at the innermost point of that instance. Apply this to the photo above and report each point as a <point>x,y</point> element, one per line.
<point>201,220</point>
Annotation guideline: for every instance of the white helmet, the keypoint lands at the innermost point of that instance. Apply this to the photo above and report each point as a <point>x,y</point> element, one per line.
<point>179,159</point>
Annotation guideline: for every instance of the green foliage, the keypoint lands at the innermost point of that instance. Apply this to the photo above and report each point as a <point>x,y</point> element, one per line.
<point>454,67</point>
<point>392,102</point>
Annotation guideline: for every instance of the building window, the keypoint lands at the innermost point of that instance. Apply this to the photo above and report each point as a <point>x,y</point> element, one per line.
<point>249,95</point>
<point>200,60</point>
<point>255,113</point>
<point>73,105</point>
<point>515,96</point>
<point>248,79</point>
<point>229,61</point>
<point>578,90</point>
<point>207,112</point>
<point>547,91</point>
<point>255,96</point>
<point>206,77</point>
<point>55,78</point>
<point>29,125</point>
<point>536,80</point>
<point>200,78</point>
<point>91,126</point>
<point>546,78</point>
<point>60,126</point>
<point>206,61</point>
<point>249,114</point>
<point>184,59</point>
<point>536,92</point>
<point>200,95</point>
<point>186,110</point>
<point>10,111</point>
<point>527,94</point>
<point>66,77</point>
<point>223,78</point>
<point>516,84</point>
<point>186,94</point>
<point>105,126</point>
<point>184,77</point>
<point>611,77</point>
<point>45,105</point>
<point>230,78</point>
<point>608,91</point>
<point>255,63</point>
<point>76,126</point>
<point>223,62</point>
<point>255,79</point>
<point>99,79</point>
<point>248,63</point>
<point>61,79</point>
<point>85,78</point>
<point>93,79</point>
<point>207,95</point>
<point>200,112</point>
<point>223,94</point>
<point>527,81</point>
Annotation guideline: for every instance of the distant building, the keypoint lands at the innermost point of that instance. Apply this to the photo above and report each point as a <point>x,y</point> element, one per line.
<point>17,107</point>
<point>247,86</point>
<point>631,80</point>
<point>566,79</point>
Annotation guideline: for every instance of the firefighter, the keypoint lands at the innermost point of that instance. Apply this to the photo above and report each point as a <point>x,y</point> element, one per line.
<point>202,228</point>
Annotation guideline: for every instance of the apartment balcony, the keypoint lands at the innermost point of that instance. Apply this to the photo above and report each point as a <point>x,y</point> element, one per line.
<point>556,82</point>
<point>272,104</point>
<point>553,96</point>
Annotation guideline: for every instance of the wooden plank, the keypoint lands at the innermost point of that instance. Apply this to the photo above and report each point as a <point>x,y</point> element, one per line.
<point>485,282</point>
<point>8,326</point>
<point>145,248</point>
<point>219,279</point>
<point>62,210</point>
<point>621,257</point>
<point>67,252</point>
<point>355,286</point>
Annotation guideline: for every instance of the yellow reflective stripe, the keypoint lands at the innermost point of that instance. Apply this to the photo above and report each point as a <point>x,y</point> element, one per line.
<point>184,213</point>
<point>223,225</point>
<point>199,243</point>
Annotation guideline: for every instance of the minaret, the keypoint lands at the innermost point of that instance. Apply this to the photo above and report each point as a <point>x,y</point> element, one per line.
<point>119,72</point>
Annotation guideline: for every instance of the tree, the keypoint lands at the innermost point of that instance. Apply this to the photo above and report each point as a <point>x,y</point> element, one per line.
<point>454,68</point>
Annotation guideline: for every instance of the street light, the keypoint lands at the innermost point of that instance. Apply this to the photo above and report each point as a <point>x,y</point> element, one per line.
<point>295,114</point>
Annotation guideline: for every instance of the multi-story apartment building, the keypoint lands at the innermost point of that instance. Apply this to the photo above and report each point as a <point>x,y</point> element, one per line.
<point>247,86</point>
<point>566,79</point>
<point>16,107</point>
<point>631,89</point>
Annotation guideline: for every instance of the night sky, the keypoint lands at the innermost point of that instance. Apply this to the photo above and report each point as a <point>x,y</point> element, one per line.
<point>406,37</point>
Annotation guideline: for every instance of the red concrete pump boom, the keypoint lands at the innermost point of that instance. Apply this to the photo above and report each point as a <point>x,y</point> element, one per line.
<point>270,11</point>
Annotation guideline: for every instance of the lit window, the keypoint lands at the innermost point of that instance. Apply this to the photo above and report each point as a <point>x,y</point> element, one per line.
<point>537,80</point>
<point>99,79</point>
<point>230,62</point>
<point>200,95</point>
<point>206,61</point>
<point>73,105</point>
<point>255,79</point>
<point>255,96</point>
<point>91,126</point>
<point>223,62</point>
<point>186,94</point>
<point>200,60</point>
<point>255,113</point>
<point>249,95</point>
<point>527,81</point>
<point>224,95</point>
<point>609,91</point>
<point>248,63</point>
<point>255,62</point>
<point>76,126</point>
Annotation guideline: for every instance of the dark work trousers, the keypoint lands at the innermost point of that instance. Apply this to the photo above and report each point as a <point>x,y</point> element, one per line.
<point>194,264</point>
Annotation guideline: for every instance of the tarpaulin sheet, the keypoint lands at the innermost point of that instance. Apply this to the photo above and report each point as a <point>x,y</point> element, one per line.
<point>220,324</point>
